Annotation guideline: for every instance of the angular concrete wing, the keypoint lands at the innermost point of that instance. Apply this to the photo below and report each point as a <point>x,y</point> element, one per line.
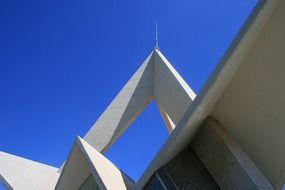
<point>131,100</point>
<point>86,168</point>
<point>22,174</point>
<point>155,79</point>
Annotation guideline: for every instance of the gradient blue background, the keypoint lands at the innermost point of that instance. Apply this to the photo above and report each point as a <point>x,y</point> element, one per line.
<point>62,62</point>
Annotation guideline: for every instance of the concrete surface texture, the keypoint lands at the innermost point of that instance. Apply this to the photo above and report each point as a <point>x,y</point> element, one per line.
<point>20,173</point>
<point>85,161</point>
<point>252,107</point>
<point>225,160</point>
<point>157,80</point>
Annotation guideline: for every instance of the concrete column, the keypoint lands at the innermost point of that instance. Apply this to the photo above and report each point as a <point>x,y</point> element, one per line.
<point>225,160</point>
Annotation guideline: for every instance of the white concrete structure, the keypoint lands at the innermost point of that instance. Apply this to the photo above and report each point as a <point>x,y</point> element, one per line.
<point>231,136</point>
<point>245,94</point>
<point>19,173</point>
<point>155,79</point>
<point>85,161</point>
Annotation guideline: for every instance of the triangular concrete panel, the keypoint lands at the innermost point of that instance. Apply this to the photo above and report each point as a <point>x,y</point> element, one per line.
<point>21,174</point>
<point>156,79</point>
<point>85,164</point>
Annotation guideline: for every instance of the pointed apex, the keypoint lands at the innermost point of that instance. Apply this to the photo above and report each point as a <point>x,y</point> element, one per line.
<point>156,36</point>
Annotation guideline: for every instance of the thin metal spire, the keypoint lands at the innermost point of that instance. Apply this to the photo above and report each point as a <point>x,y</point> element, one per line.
<point>156,36</point>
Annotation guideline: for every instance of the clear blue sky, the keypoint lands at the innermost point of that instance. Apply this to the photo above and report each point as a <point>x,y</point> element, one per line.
<point>62,62</point>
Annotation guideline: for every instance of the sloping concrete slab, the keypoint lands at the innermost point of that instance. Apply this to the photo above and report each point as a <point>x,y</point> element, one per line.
<point>22,174</point>
<point>84,161</point>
